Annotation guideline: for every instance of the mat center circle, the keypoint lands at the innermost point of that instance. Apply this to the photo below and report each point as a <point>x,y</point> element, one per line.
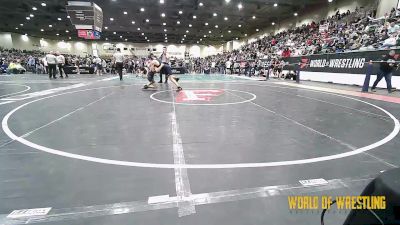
<point>204,97</point>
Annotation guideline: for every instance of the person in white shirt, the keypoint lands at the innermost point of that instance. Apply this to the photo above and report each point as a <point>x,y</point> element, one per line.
<point>61,64</point>
<point>228,65</point>
<point>99,66</point>
<point>52,64</point>
<point>45,66</point>
<point>104,66</point>
<point>119,62</point>
<point>165,60</point>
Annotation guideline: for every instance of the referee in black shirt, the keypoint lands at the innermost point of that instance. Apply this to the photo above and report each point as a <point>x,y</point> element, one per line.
<point>386,68</point>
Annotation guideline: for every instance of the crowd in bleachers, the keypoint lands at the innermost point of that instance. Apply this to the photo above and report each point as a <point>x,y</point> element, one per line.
<point>342,32</point>
<point>15,61</point>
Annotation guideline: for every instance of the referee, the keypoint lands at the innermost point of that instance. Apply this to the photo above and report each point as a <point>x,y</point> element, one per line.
<point>386,68</point>
<point>165,60</point>
<point>61,65</point>
<point>52,64</point>
<point>119,62</point>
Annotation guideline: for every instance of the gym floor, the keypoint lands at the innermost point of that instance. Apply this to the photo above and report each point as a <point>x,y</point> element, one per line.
<point>226,150</point>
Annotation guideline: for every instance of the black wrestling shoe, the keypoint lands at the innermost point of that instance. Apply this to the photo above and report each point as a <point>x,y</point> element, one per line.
<point>177,79</point>
<point>160,82</point>
<point>179,89</point>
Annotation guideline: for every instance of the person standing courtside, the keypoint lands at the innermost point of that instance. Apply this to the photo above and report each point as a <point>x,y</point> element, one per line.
<point>99,67</point>
<point>119,62</point>
<point>386,68</point>
<point>165,60</point>
<point>61,64</point>
<point>52,64</point>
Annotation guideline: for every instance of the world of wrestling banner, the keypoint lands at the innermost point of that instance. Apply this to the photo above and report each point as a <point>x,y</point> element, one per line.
<point>350,62</point>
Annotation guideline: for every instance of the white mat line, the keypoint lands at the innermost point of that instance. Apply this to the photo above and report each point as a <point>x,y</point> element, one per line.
<point>182,185</point>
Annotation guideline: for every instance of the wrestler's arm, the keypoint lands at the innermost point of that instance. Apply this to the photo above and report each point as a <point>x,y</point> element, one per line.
<point>158,69</point>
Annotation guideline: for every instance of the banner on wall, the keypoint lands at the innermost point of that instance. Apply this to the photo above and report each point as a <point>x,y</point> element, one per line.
<point>351,62</point>
<point>89,34</point>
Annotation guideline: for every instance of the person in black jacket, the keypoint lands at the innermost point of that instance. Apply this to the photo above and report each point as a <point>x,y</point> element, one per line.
<point>386,68</point>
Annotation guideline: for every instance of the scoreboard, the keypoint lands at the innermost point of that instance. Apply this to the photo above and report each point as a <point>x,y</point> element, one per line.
<point>85,15</point>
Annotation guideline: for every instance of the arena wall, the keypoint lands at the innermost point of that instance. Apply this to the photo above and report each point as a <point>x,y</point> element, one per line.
<point>22,42</point>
